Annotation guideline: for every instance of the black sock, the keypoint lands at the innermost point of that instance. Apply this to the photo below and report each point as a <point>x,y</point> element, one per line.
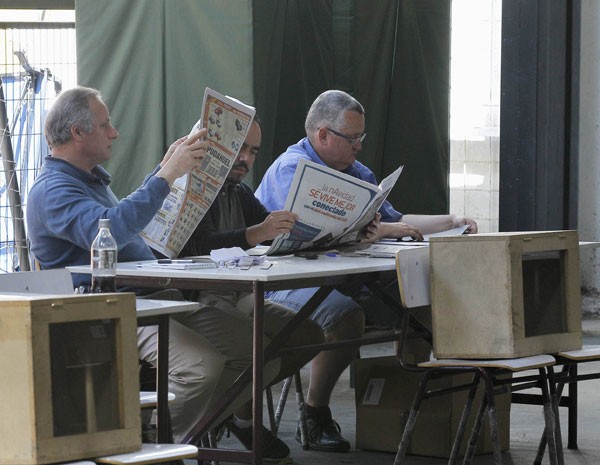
<point>322,414</point>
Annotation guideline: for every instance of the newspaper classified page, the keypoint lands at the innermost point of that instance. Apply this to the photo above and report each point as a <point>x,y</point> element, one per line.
<point>227,121</point>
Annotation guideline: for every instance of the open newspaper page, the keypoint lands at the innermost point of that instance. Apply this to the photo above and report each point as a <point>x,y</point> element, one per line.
<point>227,121</point>
<point>356,232</point>
<point>328,204</point>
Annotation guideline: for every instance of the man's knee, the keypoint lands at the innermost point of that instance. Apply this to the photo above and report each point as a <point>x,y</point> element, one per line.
<point>311,333</point>
<point>352,324</point>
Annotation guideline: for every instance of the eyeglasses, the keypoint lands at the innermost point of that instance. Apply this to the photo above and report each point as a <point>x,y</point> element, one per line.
<point>352,140</point>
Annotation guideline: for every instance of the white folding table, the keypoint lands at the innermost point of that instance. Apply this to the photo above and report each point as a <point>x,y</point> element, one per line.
<point>288,272</point>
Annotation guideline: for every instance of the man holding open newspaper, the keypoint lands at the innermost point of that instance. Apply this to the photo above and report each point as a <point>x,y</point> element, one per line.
<point>237,219</point>
<point>208,348</point>
<point>335,127</point>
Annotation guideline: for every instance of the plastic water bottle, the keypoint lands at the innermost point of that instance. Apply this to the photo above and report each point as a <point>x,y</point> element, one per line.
<point>104,259</point>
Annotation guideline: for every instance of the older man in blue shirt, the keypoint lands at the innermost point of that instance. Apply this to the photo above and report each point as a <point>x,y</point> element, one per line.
<point>335,127</point>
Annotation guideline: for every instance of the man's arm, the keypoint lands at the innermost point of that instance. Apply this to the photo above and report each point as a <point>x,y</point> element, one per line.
<point>278,222</point>
<point>416,225</point>
<point>207,237</point>
<point>397,230</point>
<point>429,224</point>
<point>261,226</point>
<point>72,214</point>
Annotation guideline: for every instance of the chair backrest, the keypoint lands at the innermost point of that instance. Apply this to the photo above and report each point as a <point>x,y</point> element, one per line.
<point>412,266</point>
<point>56,281</point>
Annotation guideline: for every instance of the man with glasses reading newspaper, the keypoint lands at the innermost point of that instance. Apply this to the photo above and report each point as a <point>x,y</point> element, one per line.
<point>335,131</point>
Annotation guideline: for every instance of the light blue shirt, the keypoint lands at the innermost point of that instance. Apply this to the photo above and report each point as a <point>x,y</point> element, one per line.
<point>275,185</point>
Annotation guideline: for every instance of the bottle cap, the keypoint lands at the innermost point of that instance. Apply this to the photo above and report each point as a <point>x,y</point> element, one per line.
<point>104,223</point>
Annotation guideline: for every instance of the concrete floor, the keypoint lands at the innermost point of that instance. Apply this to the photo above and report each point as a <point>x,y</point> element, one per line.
<point>525,424</point>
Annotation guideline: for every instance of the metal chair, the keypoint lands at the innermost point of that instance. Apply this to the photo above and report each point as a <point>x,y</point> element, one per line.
<point>413,279</point>
<point>83,462</point>
<point>371,336</point>
<point>56,281</point>
<point>152,453</point>
<point>569,375</point>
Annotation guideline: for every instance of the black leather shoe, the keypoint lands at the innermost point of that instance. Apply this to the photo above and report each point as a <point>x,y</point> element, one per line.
<point>324,434</point>
<point>274,449</point>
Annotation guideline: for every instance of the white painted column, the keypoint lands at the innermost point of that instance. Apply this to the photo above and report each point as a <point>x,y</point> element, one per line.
<point>589,153</point>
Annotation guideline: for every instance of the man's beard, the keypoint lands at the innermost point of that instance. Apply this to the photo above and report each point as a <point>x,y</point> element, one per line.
<point>238,177</point>
<point>241,164</point>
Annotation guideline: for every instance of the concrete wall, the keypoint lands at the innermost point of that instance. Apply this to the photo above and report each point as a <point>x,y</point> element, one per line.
<point>475,111</point>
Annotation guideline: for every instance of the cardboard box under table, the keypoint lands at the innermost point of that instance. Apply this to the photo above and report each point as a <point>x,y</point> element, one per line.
<point>70,386</point>
<point>384,394</point>
<point>505,295</point>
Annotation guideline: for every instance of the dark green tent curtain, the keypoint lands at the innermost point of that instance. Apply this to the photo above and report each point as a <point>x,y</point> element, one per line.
<point>294,57</point>
<point>152,60</point>
<point>392,55</point>
<point>418,118</point>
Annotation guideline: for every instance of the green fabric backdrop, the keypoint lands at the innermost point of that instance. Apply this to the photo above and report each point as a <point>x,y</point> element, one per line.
<point>152,60</point>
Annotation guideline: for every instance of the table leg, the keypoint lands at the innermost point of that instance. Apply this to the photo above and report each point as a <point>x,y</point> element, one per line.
<point>254,375</point>
<point>257,373</point>
<point>572,411</point>
<point>162,381</point>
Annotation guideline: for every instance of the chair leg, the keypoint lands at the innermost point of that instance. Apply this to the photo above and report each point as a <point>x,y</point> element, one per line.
<point>301,413</point>
<point>208,440</point>
<point>550,421</point>
<point>490,400</point>
<point>273,426</point>
<point>275,419</point>
<point>554,397</point>
<point>475,432</point>
<point>464,418</point>
<point>556,394</point>
<point>412,418</point>
<point>212,443</point>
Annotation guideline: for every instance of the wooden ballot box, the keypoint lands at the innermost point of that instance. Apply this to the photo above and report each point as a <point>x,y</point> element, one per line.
<point>505,295</point>
<point>70,385</point>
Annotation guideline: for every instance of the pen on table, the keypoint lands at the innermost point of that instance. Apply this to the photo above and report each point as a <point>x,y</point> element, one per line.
<point>179,260</point>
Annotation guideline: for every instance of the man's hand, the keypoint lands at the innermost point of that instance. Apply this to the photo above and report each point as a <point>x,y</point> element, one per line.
<point>171,150</point>
<point>183,155</point>
<point>371,231</point>
<point>462,221</point>
<point>398,231</point>
<point>278,222</point>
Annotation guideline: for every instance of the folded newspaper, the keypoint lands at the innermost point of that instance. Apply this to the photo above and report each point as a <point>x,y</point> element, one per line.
<point>333,208</point>
<point>387,248</point>
<point>227,121</point>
